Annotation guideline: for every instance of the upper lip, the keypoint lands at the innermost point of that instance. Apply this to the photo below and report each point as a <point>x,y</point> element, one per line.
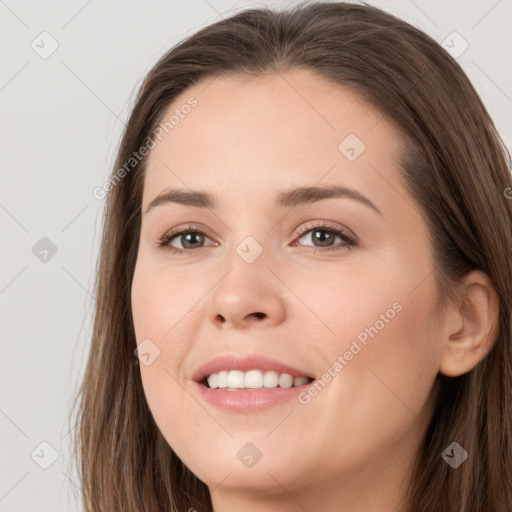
<point>244,363</point>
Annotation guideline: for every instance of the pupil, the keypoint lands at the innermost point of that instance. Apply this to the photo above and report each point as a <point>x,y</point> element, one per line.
<point>191,235</point>
<point>323,238</point>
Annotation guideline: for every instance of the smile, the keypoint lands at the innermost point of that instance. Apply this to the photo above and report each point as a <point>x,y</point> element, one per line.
<point>235,380</point>
<point>247,383</point>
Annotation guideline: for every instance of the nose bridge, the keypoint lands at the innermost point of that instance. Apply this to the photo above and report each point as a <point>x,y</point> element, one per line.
<point>250,235</point>
<point>248,292</point>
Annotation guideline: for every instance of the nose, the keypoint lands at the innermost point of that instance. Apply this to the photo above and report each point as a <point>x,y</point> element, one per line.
<point>249,295</point>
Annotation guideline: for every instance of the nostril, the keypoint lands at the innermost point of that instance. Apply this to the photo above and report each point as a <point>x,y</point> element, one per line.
<point>259,315</point>
<point>221,319</point>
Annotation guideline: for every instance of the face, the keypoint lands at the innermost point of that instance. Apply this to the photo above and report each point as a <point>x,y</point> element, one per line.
<point>334,289</point>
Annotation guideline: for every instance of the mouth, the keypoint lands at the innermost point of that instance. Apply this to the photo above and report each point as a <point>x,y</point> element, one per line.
<point>247,383</point>
<point>236,380</point>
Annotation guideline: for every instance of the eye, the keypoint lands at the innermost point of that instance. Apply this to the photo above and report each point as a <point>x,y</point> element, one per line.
<point>188,236</point>
<point>325,235</point>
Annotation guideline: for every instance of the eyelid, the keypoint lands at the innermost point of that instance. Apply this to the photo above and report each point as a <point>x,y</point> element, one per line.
<point>191,226</point>
<point>310,225</point>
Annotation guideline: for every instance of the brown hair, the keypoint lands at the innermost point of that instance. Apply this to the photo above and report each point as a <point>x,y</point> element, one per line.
<point>455,166</point>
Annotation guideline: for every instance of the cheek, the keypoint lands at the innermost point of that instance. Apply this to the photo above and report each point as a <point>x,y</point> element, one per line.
<point>381,314</point>
<point>384,361</point>
<point>162,315</point>
<point>163,302</point>
<point>374,404</point>
<point>159,318</point>
<point>380,361</point>
<point>161,324</point>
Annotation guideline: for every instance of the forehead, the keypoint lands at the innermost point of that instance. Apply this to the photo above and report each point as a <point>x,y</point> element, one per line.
<point>261,133</point>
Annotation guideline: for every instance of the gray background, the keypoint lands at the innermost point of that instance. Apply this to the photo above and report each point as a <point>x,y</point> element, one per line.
<point>61,120</point>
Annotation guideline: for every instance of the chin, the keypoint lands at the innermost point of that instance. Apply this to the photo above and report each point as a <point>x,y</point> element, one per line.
<point>240,464</point>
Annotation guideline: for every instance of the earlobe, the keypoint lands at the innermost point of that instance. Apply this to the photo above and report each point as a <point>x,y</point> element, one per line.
<point>472,327</point>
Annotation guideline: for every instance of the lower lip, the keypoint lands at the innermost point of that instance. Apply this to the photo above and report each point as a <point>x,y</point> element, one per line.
<point>249,400</point>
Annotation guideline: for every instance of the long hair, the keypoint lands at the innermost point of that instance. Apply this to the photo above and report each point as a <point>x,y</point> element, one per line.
<point>455,166</point>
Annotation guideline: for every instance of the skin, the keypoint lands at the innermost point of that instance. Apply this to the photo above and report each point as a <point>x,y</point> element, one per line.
<point>351,448</point>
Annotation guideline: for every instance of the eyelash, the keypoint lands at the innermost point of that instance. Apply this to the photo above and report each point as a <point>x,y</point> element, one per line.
<point>349,240</point>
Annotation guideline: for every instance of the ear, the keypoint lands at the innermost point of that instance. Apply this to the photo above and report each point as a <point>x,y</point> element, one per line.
<point>471,326</point>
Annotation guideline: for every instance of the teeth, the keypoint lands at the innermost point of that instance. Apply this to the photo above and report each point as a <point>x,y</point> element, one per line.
<point>222,379</point>
<point>300,381</point>
<point>285,380</point>
<point>270,379</point>
<point>236,379</point>
<point>254,379</point>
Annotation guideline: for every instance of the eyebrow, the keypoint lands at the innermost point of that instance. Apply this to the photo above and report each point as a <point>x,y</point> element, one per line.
<point>285,199</point>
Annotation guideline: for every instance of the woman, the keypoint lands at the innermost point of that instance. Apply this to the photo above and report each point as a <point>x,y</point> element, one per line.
<point>308,248</point>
